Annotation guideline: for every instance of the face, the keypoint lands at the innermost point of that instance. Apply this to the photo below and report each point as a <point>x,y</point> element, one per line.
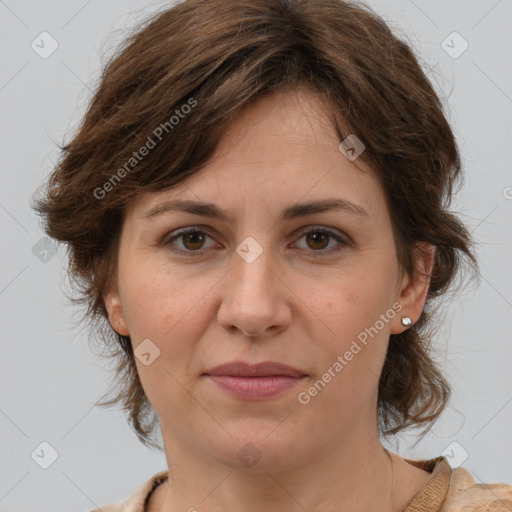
<point>318,289</point>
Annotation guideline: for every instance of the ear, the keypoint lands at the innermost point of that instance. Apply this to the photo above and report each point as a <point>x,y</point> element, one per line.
<point>412,293</point>
<point>115,312</point>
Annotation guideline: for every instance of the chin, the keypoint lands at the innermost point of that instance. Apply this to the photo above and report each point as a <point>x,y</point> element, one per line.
<point>260,448</point>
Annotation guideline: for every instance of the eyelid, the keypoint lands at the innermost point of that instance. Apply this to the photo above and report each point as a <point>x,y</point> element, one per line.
<point>331,231</point>
<point>342,239</point>
<point>175,234</point>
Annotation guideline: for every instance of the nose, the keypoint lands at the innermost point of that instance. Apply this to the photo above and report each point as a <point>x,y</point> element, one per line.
<point>255,301</point>
<point>248,333</point>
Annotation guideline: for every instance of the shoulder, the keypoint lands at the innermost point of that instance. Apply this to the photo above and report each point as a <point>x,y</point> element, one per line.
<point>136,501</point>
<point>464,494</point>
<point>455,490</point>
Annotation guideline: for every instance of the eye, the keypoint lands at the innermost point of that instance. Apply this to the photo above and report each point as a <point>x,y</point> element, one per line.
<point>318,240</point>
<point>193,241</point>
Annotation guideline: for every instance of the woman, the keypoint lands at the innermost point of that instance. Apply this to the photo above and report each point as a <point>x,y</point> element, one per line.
<point>256,210</point>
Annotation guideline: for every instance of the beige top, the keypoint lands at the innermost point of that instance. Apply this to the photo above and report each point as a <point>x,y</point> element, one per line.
<point>446,490</point>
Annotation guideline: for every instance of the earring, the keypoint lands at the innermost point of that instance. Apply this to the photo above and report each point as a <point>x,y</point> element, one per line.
<point>406,321</point>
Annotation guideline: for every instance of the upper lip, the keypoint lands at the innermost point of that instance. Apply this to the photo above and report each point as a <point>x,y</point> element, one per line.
<point>265,369</point>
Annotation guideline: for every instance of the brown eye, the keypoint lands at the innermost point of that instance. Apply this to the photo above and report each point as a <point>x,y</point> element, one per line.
<point>317,239</point>
<point>192,241</point>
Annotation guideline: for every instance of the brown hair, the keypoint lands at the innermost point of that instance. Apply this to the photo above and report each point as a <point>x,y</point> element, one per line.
<point>188,71</point>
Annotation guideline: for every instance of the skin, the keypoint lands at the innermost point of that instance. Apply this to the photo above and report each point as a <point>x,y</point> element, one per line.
<point>303,311</point>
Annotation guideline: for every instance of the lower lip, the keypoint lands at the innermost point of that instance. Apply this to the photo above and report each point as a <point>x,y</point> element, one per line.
<point>255,388</point>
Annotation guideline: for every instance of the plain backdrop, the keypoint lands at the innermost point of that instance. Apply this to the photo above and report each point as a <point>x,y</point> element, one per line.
<point>49,379</point>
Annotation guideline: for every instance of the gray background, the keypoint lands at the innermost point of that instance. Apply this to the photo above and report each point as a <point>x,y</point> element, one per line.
<point>50,380</point>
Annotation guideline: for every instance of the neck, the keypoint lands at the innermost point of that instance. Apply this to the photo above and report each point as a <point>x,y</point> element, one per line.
<point>356,477</point>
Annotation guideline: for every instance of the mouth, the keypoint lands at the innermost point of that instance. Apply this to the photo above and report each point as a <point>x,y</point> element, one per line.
<point>254,382</point>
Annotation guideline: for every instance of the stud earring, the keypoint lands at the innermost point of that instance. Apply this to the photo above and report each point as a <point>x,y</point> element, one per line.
<point>406,321</point>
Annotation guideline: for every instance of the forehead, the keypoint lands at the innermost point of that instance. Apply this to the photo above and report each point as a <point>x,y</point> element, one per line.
<point>287,123</point>
<point>280,150</point>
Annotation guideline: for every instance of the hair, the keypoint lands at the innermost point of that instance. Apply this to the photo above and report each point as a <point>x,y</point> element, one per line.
<point>188,71</point>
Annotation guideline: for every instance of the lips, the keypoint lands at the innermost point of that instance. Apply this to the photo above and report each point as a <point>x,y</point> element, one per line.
<point>265,369</point>
<point>254,382</point>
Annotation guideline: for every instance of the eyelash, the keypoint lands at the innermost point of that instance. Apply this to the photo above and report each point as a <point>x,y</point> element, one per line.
<point>318,253</point>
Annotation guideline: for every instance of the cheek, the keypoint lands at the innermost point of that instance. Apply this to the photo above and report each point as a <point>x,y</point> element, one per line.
<point>350,358</point>
<point>169,310</point>
<point>352,307</point>
<point>164,306</point>
<point>352,302</point>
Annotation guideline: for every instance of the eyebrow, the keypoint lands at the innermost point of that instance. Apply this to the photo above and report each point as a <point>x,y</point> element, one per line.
<point>291,212</point>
